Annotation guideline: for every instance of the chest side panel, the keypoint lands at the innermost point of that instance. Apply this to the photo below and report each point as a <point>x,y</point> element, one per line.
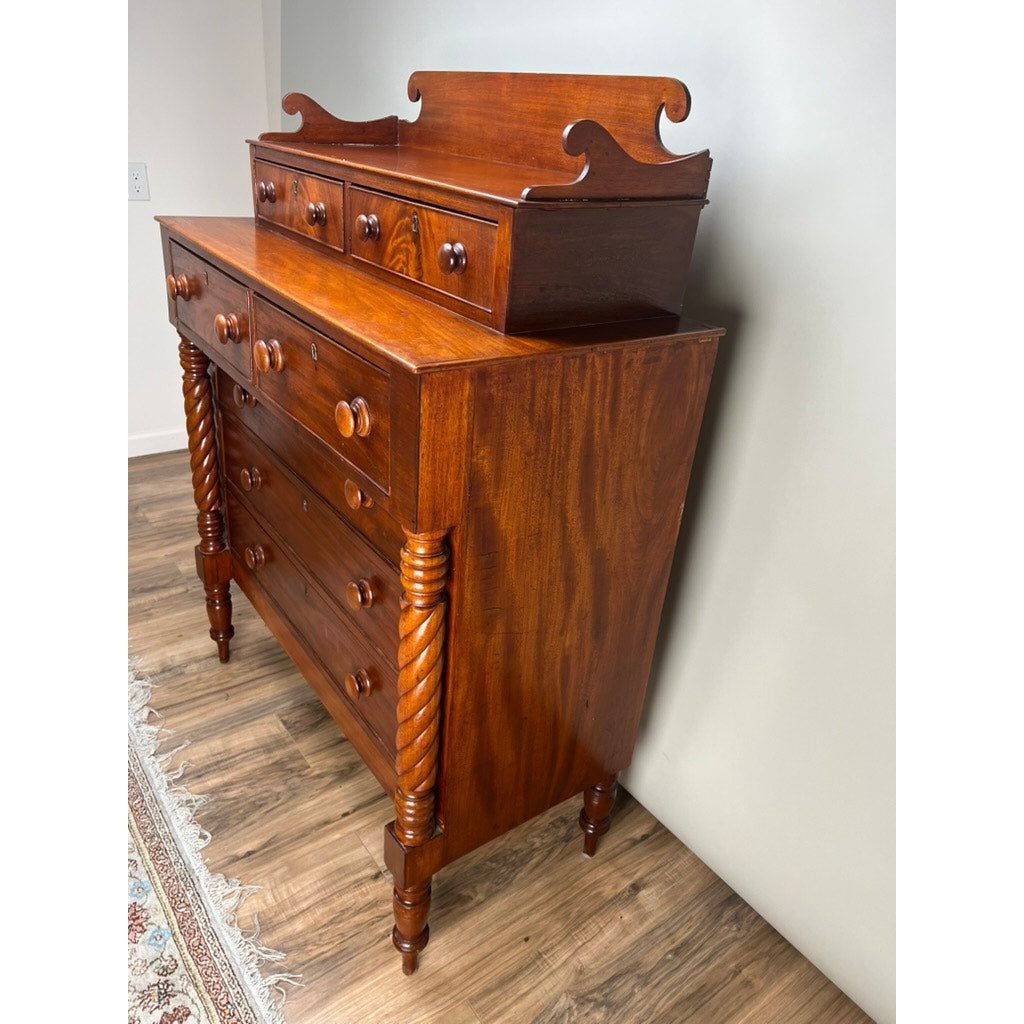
<point>577,475</point>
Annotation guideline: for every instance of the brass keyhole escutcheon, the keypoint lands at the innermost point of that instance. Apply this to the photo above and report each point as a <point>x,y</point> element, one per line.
<point>295,187</point>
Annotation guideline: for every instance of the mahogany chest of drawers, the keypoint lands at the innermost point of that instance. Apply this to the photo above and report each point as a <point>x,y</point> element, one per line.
<point>441,411</point>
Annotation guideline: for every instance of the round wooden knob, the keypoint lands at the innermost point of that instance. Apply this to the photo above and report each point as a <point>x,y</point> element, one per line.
<point>359,594</point>
<point>452,258</point>
<point>241,396</point>
<point>353,417</point>
<point>368,227</point>
<point>316,213</point>
<point>355,497</point>
<point>251,479</point>
<point>255,556</point>
<point>265,192</point>
<point>228,327</point>
<point>358,684</point>
<point>179,287</point>
<point>269,356</point>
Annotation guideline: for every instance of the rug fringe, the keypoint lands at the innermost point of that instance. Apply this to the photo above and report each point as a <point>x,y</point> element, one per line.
<point>228,894</point>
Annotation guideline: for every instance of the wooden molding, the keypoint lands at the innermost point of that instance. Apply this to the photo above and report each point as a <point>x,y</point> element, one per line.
<point>320,126</point>
<point>611,173</point>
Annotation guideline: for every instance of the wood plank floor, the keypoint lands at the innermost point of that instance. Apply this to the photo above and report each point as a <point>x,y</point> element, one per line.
<point>524,930</point>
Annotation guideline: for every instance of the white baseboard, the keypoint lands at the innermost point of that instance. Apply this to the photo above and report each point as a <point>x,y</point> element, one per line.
<point>157,441</point>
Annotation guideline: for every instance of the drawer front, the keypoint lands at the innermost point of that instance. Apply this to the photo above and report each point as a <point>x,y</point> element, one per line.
<point>297,449</point>
<point>342,399</point>
<point>301,202</point>
<point>446,251</point>
<point>213,307</point>
<point>371,690</point>
<point>362,584</point>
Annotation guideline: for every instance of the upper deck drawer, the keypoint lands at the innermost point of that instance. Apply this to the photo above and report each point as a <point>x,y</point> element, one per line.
<point>301,202</point>
<point>443,250</point>
<point>212,307</point>
<point>339,397</point>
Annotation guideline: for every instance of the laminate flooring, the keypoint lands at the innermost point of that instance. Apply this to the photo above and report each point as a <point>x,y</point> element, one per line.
<point>523,931</point>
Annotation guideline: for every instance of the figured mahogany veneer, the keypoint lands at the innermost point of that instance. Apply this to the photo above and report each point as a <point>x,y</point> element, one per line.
<point>462,536</point>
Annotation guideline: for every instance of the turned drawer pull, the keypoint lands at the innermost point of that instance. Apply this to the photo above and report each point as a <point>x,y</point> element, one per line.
<point>316,213</point>
<point>228,327</point>
<point>356,497</point>
<point>452,258</point>
<point>368,227</point>
<point>242,397</point>
<point>359,594</point>
<point>255,556</point>
<point>265,192</point>
<point>358,684</point>
<point>353,417</point>
<point>269,355</point>
<point>251,479</point>
<point>179,287</point>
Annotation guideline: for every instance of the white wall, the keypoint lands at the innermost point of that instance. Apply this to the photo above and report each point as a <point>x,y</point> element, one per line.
<point>768,746</point>
<point>199,90</point>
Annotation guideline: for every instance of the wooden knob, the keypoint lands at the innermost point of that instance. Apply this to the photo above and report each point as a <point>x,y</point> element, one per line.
<point>316,213</point>
<point>368,227</point>
<point>353,417</point>
<point>269,356</point>
<point>179,287</point>
<point>358,684</point>
<point>356,497</point>
<point>251,479</point>
<point>242,397</point>
<point>228,327</point>
<point>255,556</point>
<point>452,258</point>
<point>265,192</point>
<point>359,594</point>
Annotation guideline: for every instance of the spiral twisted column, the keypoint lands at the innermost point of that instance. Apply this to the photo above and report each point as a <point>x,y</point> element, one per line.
<point>212,562</point>
<point>421,629</point>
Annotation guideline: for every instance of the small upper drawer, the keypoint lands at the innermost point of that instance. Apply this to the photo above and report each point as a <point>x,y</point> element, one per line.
<point>213,307</point>
<point>342,399</point>
<point>444,250</point>
<point>301,202</point>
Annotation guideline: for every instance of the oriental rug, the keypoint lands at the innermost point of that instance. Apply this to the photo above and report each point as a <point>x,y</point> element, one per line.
<point>188,961</point>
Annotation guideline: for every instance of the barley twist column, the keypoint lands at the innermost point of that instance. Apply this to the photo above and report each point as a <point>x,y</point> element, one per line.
<point>420,663</point>
<point>212,563</point>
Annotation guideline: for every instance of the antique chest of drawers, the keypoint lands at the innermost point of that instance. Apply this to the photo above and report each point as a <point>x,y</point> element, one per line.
<point>441,410</point>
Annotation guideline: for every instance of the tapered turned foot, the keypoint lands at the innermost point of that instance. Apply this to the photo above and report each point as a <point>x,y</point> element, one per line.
<point>596,816</point>
<point>411,931</point>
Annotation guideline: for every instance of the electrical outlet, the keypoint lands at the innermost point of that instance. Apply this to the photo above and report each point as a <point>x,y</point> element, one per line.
<point>138,183</point>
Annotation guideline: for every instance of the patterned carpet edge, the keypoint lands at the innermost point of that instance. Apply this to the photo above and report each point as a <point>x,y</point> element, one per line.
<point>242,955</point>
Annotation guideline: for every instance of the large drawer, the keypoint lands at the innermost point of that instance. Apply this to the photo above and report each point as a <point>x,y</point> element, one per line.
<point>213,307</point>
<point>339,397</point>
<point>305,204</point>
<point>363,585</point>
<point>367,681</point>
<point>447,251</point>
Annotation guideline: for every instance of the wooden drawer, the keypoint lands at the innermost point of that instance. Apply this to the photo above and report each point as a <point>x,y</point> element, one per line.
<point>371,690</point>
<point>363,585</point>
<point>305,203</point>
<point>342,399</point>
<point>213,308</point>
<point>446,251</point>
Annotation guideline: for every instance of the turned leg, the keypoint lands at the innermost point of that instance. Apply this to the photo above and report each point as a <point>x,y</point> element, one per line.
<point>596,816</point>
<point>213,562</point>
<point>421,630</point>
